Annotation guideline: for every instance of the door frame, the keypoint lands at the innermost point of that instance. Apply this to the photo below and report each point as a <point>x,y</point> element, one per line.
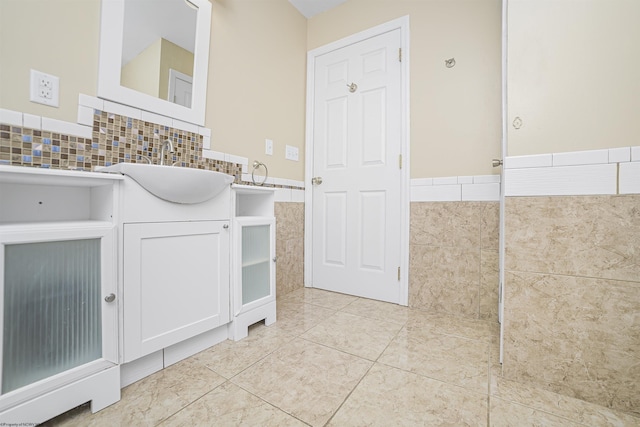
<point>402,24</point>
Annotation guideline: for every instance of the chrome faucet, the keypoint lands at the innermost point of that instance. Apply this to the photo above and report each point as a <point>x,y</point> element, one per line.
<point>166,145</point>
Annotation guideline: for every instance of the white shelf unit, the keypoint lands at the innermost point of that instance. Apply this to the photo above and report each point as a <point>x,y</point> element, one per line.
<point>253,283</point>
<point>57,244</point>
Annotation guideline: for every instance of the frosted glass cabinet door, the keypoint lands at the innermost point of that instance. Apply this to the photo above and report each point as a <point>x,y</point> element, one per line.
<point>54,315</point>
<point>256,275</point>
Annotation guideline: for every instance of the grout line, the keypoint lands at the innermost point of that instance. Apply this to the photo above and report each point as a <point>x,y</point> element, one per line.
<point>271,404</point>
<point>572,275</point>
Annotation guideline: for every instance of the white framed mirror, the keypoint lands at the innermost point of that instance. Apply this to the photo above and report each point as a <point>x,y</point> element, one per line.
<point>154,55</point>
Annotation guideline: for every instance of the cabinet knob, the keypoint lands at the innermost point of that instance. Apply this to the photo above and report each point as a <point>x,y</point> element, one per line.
<point>225,226</point>
<point>275,259</point>
<point>110,298</point>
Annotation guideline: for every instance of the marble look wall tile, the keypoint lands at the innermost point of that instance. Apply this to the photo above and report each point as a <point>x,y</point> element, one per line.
<point>289,247</point>
<point>304,379</point>
<point>290,220</point>
<point>585,413</point>
<point>467,227</point>
<point>446,223</point>
<point>388,396</point>
<point>490,226</point>
<point>489,284</point>
<point>576,336</point>
<point>594,236</point>
<point>445,280</point>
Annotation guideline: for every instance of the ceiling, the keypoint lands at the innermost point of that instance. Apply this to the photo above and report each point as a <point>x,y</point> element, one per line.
<point>310,8</point>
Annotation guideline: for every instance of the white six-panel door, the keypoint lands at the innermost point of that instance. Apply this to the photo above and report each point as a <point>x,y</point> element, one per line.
<point>356,154</point>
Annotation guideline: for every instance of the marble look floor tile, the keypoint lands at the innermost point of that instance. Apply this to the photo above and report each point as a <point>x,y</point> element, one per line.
<point>459,361</point>
<point>391,397</point>
<point>154,398</point>
<point>353,334</point>
<point>304,379</point>
<point>229,405</point>
<point>378,310</point>
<point>229,358</point>
<point>480,330</point>
<point>296,317</point>
<point>319,297</point>
<point>509,414</point>
<point>556,404</point>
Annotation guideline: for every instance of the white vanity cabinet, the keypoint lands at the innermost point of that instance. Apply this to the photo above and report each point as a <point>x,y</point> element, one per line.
<point>175,278</point>
<point>176,283</point>
<point>59,307</point>
<point>254,259</point>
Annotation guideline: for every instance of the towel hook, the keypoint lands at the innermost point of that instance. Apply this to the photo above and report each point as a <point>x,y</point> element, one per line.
<point>450,63</point>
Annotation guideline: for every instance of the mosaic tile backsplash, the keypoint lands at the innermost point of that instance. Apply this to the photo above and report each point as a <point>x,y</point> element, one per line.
<point>115,139</point>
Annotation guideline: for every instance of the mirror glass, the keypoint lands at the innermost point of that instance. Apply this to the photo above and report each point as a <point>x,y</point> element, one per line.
<point>154,56</point>
<point>158,43</point>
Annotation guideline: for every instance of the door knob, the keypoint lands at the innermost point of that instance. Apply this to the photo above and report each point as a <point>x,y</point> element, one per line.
<point>110,298</point>
<point>317,180</point>
<point>496,162</point>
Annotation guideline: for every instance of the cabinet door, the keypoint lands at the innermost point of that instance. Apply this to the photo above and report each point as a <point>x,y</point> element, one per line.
<point>176,283</point>
<point>255,252</point>
<point>55,322</point>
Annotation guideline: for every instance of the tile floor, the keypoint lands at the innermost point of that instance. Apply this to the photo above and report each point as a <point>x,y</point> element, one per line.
<point>338,360</point>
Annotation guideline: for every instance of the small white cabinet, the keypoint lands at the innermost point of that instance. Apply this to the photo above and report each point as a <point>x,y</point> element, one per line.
<point>59,305</point>
<point>254,293</point>
<point>176,283</point>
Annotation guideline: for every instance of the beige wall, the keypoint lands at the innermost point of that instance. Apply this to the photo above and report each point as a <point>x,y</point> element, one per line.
<point>455,113</point>
<point>173,57</point>
<point>56,37</point>
<point>573,78</point>
<point>257,74</point>
<point>142,72</point>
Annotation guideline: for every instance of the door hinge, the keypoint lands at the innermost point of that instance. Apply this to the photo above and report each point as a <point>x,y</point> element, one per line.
<point>400,161</point>
<point>399,54</point>
<point>398,273</point>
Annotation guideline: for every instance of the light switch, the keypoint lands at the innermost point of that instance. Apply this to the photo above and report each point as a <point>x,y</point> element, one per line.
<point>291,153</point>
<point>268,147</point>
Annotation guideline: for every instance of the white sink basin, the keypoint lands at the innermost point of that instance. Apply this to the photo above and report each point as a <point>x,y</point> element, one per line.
<point>172,183</point>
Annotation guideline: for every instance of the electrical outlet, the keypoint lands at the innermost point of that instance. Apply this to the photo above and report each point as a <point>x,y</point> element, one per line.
<point>291,153</point>
<point>44,88</point>
<point>268,147</point>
